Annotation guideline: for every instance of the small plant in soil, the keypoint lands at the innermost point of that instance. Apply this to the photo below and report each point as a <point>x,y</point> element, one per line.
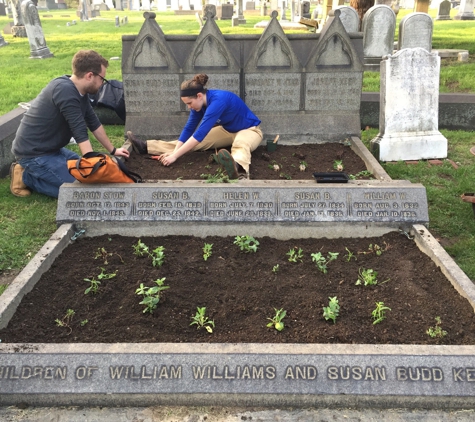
<point>83,322</point>
<point>303,166</point>
<point>379,313</point>
<point>140,249</point>
<point>275,269</point>
<point>207,251</point>
<point>323,262</point>
<point>285,176</point>
<point>201,320</point>
<point>363,173</point>
<point>158,256</point>
<point>295,254</point>
<point>151,295</point>
<point>338,165</point>
<point>367,276</point>
<point>274,166</point>
<point>93,285</point>
<point>66,320</point>
<point>106,276</point>
<point>246,243</point>
<point>276,320</point>
<point>350,255</point>
<point>332,310</point>
<point>103,254</point>
<point>218,177</point>
<point>437,331</point>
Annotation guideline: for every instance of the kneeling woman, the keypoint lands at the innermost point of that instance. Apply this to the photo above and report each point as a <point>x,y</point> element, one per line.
<point>218,119</point>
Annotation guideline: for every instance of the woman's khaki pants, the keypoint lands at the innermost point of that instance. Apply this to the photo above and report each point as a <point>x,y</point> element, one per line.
<point>242,144</point>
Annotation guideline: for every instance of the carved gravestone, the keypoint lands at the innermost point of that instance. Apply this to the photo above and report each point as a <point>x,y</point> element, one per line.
<point>305,9</point>
<point>36,39</point>
<point>444,11</point>
<point>379,26</point>
<point>225,11</point>
<point>2,41</point>
<point>18,28</point>
<point>415,30</point>
<point>349,18</point>
<point>466,10</point>
<point>408,122</point>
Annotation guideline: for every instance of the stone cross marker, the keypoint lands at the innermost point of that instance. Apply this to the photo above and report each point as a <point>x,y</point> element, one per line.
<point>415,30</point>
<point>444,11</point>
<point>31,18</point>
<point>379,26</point>
<point>408,123</point>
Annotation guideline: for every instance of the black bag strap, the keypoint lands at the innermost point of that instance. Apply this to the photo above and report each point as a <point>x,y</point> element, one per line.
<point>95,167</point>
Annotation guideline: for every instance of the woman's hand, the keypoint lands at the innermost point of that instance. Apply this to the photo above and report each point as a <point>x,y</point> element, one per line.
<point>168,159</point>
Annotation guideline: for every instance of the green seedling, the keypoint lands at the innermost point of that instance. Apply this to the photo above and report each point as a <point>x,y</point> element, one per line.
<point>219,177</point>
<point>201,320</point>
<point>349,255</point>
<point>106,276</point>
<point>83,322</point>
<point>379,313</point>
<point>363,173</point>
<point>66,320</point>
<point>276,321</point>
<point>295,254</point>
<point>158,256</point>
<point>368,277</point>
<point>375,249</point>
<point>207,251</point>
<point>275,269</point>
<point>151,295</point>
<point>140,248</point>
<point>338,165</point>
<point>437,331</point>
<point>285,176</point>
<point>332,310</point>
<point>303,166</point>
<point>323,262</point>
<point>93,287</point>
<point>246,243</point>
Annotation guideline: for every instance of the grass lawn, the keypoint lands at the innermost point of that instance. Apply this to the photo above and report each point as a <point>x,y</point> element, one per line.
<point>26,223</point>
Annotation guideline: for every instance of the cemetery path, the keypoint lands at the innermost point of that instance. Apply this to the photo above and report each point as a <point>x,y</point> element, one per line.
<point>318,157</point>
<point>240,292</point>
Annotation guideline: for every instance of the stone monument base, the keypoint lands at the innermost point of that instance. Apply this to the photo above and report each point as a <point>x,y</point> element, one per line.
<point>409,146</point>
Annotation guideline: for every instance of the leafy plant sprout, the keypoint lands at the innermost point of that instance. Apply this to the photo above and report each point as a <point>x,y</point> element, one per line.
<point>379,313</point>
<point>151,295</point>
<point>103,254</point>
<point>349,255</point>
<point>363,173</point>
<point>338,165</point>
<point>303,166</point>
<point>94,285</point>
<point>322,262</point>
<point>207,251</point>
<point>275,269</point>
<point>83,322</point>
<point>246,243</point>
<point>66,320</point>
<point>437,331</point>
<point>295,254</point>
<point>201,320</point>
<point>106,276</point>
<point>332,310</point>
<point>276,320</point>
<point>140,248</point>
<point>285,176</point>
<point>218,177</point>
<point>158,256</point>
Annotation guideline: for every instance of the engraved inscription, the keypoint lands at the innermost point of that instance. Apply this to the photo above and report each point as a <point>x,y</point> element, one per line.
<point>273,92</point>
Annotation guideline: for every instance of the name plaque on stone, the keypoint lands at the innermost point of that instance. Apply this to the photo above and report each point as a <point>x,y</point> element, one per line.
<point>249,202</point>
<point>159,93</point>
<point>333,91</point>
<point>230,373</point>
<point>274,92</point>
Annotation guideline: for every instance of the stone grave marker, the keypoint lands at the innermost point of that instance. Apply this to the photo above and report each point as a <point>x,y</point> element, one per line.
<point>408,123</point>
<point>36,39</point>
<point>379,26</point>
<point>415,30</point>
<point>2,41</point>
<point>225,11</point>
<point>465,10</point>
<point>2,10</point>
<point>146,5</point>
<point>349,18</point>
<point>444,11</point>
<point>135,5</point>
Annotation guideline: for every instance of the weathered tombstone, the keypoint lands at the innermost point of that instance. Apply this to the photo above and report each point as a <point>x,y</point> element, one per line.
<point>385,2</point>
<point>240,12</point>
<point>274,5</point>
<point>444,11</point>
<point>110,4</point>
<point>273,73</point>
<point>466,10</point>
<point>225,11</point>
<point>415,30</point>
<point>2,41</point>
<point>379,26</point>
<point>117,22</point>
<point>283,8</point>
<point>349,18</point>
<point>250,5</point>
<point>305,9</point>
<point>409,101</point>
<point>146,5</point>
<point>263,8</point>
<point>2,10</point>
<point>18,28</point>
<point>334,79</point>
<point>135,5</point>
<point>31,19</point>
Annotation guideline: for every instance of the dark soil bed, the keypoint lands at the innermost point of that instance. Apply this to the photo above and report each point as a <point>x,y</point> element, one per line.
<point>240,291</point>
<point>318,157</point>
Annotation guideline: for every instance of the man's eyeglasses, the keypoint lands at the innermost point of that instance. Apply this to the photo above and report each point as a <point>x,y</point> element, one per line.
<point>104,80</point>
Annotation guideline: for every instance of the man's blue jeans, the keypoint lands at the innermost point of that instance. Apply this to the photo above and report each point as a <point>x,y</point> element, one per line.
<point>45,174</point>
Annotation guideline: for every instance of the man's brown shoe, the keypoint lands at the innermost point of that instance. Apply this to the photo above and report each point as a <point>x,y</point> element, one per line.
<point>140,147</point>
<point>17,187</point>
